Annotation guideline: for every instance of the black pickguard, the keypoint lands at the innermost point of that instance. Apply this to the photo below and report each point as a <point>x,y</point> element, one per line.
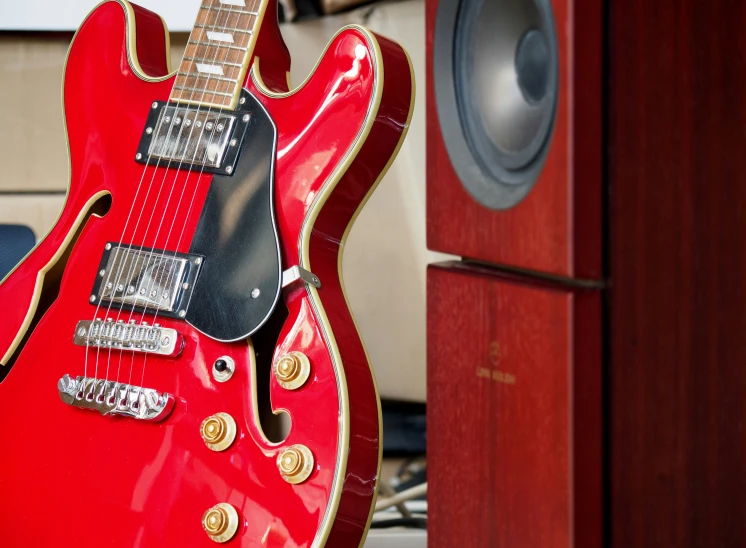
<point>238,239</point>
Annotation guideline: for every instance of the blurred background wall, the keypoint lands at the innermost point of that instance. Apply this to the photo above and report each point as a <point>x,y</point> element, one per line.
<point>385,257</point>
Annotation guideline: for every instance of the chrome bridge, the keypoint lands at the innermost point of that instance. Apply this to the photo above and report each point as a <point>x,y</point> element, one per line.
<point>144,279</point>
<point>114,398</point>
<point>152,339</point>
<point>190,137</point>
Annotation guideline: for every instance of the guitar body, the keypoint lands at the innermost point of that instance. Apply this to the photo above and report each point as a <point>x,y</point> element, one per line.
<point>70,476</point>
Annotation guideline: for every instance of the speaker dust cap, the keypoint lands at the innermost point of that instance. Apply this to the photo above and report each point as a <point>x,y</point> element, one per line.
<point>495,68</point>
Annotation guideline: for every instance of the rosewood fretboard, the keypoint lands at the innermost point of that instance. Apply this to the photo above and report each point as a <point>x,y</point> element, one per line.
<point>218,52</point>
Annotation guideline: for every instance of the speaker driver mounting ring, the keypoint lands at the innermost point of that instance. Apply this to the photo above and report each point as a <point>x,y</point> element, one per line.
<point>496,74</point>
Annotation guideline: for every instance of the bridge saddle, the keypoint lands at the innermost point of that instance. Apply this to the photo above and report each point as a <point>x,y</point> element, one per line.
<point>152,339</point>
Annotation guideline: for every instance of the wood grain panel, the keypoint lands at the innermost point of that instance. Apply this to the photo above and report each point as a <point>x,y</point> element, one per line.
<point>514,411</point>
<point>557,227</point>
<point>677,118</point>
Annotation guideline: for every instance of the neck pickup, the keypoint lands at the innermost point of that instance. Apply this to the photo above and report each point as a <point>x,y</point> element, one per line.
<point>192,137</point>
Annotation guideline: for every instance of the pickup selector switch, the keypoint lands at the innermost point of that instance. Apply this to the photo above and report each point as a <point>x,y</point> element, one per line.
<point>223,368</point>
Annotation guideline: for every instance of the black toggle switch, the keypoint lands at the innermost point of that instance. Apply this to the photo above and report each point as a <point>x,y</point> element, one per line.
<point>221,365</point>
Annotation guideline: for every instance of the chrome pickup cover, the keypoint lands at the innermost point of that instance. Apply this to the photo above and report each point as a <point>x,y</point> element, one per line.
<point>113,398</point>
<point>152,280</point>
<point>186,137</point>
<point>128,336</point>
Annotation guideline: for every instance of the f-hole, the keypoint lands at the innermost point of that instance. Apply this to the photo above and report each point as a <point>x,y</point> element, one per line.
<point>275,426</point>
<point>51,283</point>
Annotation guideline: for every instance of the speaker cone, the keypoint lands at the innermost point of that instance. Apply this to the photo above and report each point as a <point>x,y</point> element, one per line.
<point>495,69</point>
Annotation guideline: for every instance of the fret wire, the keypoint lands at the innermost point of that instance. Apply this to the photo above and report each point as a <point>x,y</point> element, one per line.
<point>203,90</point>
<point>230,10</point>
<point>207,76</point>
<point>208,56</point>
<point>217,27</point>
<point>217,102</point>
<point>212,44</point>
<point>226,63</point>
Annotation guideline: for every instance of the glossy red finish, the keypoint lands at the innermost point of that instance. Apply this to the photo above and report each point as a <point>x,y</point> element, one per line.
<point>74,477</point>
<point>273,52</point>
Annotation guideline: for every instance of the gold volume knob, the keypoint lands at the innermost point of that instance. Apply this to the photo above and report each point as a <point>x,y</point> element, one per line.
<point>295,463</point>
<point>220,522</point>
<point>292,370</point>
<point>218,431</point>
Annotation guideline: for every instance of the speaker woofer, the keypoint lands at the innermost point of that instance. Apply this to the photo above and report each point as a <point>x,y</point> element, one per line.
<point>496,80</point>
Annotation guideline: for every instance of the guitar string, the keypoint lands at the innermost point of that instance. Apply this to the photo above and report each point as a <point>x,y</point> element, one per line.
<point>214,130</point>
<point>120,268</point>
<point>160,259</point>
<point>133,264</point>
<point>147,266</point>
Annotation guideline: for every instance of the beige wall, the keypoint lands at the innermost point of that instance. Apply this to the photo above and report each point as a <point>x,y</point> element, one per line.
<point>385,256</point>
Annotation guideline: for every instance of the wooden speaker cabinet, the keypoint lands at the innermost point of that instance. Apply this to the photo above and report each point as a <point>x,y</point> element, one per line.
<point>586,363</point>
<point>514,411</point>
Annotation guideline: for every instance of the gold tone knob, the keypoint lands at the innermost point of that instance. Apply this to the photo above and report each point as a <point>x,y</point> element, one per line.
<point>220,522</point>
<point>292,370</point>
<point>218,431</point>
<point>295,463</point>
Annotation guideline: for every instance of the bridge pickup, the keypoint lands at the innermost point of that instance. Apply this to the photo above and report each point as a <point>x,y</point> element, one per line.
<point>150,339</point>
<point>114,398</point>
<point>190,137</point>
<point>147,280</point>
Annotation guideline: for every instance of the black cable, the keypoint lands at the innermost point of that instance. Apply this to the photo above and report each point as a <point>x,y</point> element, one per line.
<point>417,523</point>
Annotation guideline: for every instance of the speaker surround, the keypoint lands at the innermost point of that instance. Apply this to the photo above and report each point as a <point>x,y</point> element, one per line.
<point>496,75</point>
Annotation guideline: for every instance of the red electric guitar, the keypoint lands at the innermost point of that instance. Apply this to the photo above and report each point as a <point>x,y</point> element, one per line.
<point>199,248</point>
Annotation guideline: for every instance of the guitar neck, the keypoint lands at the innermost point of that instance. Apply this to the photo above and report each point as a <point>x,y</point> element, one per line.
<point>218,53</point>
